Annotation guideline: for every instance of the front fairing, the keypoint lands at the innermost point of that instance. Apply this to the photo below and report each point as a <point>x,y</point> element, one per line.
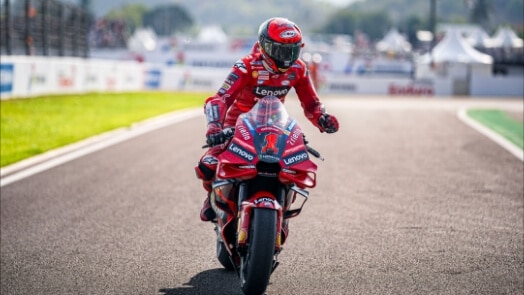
<point>267,134</point>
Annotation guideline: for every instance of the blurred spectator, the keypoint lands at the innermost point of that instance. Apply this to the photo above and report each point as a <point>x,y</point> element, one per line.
<point>108,33</point>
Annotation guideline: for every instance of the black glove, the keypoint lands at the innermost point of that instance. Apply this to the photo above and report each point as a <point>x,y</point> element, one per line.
<point>214,134</point>
<point>328,123</point>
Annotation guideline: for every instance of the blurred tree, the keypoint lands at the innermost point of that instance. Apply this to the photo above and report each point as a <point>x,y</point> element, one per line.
<point>166,20</point>
<point>131,14</point>
<point>480,12</point>
<point>411,25</point>
<point>346,21</point>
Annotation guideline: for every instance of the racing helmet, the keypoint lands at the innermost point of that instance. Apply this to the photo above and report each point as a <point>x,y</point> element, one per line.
<point>280,42</point>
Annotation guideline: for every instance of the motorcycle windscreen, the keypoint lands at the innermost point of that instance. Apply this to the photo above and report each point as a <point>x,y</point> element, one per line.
<point>268,120</point>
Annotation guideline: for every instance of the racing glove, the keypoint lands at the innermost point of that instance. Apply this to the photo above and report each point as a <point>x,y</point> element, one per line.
<point>328,123</point>
<point>214,134</point>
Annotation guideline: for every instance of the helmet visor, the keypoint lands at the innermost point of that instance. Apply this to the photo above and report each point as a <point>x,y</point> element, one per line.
<point>284,55</point>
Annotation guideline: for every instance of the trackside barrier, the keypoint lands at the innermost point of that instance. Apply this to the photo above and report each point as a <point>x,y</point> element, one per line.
<point>27,76</point>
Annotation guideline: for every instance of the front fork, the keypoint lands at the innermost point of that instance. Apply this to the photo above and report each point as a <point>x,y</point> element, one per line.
<point>226,210</point>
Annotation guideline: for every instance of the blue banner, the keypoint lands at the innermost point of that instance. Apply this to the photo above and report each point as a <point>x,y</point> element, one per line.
<point>153,78</point>
<point>6,77</point>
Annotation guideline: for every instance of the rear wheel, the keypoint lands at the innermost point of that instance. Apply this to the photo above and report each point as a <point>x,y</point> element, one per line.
<point>257,263</point>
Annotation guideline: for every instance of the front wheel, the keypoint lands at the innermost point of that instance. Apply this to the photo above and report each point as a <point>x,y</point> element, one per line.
<point>223,256</point>
<point>257,263</point>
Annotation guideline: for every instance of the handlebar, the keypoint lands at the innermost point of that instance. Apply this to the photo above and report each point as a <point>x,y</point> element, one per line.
<point>314,152</point>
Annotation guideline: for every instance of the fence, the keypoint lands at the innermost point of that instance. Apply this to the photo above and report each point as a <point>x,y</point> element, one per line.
<point>43,27</point>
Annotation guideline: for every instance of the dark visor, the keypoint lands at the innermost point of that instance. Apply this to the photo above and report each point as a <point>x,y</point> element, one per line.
<point>282,54</point>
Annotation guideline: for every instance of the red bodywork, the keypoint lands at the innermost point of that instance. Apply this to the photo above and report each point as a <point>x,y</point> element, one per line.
<point>264,136</point>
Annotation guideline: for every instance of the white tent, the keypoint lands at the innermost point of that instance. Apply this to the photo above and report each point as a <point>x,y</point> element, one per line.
<point>454,62</point>
<point>480,39</point>
<point>506,38</point>
<point>144,39</point>
<point>394,42</point>
<point>454,48</point>
<point>212,34</point>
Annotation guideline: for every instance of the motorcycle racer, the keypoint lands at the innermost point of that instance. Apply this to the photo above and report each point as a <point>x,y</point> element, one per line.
<point>270,69</point>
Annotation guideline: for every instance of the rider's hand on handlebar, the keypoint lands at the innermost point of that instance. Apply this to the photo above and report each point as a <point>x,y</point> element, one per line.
<point>328,123</point>
<point>214,134</point>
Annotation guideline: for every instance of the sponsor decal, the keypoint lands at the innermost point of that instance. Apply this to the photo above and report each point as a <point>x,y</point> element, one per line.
<point>232,78</point>
<point>226,86</point>
<point>285,82</point>
<point>296,158</point>
<point>36,78</point>
<point>239,151</point>
<point>243,132</point>
<point>242,235</point>
<point>269,158</point>
<point>263,129</point>
<point>212,112</point>
<point>202,82</point>
<point>291,125</point>
<point>263,78</point>
<point>292,76</point>
<point>270,144</point>
<point>288,34</point>
<point>241,66</point>
<point>110,82</point>
<point>210,160</point>
<point>91,79</point>
<point>263,200</point>
<point>153,78</point>
<point>66,77</point>
<point>296,135</point>
<point>254,74</point>
<point>261,91</point>
<point>246,121</point>
<point>6,77</point>
<point>343,86</point>
<point>411,89</point>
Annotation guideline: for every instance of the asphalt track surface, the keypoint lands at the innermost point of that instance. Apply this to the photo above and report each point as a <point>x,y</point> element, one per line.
<point>410,200</point>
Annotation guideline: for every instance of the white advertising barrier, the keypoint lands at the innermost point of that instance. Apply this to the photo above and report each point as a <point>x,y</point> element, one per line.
<point>26,76</point>
<point>377,85</point>
<point>184,78</point>
<point>497,86</point>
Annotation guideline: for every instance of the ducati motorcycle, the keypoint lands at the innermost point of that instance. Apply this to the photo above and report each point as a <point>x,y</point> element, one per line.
<point>260,183</point>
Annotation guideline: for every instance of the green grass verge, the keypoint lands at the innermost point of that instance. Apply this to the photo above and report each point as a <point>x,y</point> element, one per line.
<point>500,122</point>
<point>35,125</point>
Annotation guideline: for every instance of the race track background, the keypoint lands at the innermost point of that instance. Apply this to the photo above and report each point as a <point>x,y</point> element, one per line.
<point>410,200</point>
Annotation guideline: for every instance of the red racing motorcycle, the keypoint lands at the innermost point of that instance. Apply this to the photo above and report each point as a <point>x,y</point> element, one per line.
<point>260,184</point>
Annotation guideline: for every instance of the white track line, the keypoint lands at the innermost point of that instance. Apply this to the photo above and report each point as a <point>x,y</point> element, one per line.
<point>60,156</point>
<point>509,146</point>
